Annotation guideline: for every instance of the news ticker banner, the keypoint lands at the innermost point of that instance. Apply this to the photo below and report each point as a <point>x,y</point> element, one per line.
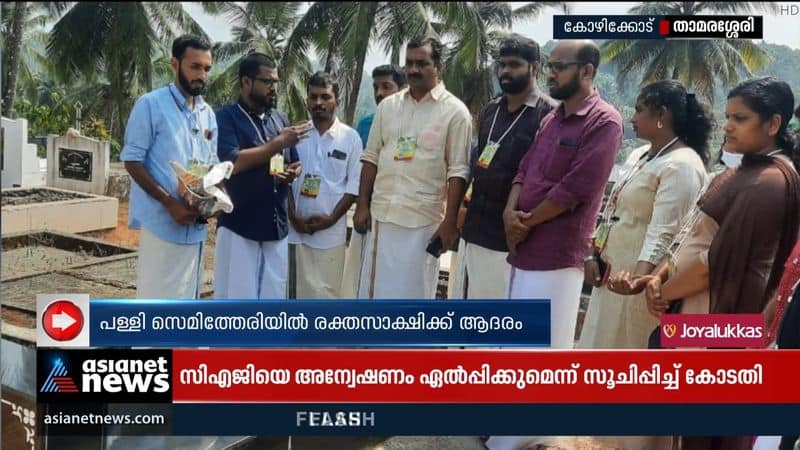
<point>657,27</point>
<point>308,391</point>
<point>70,320</point>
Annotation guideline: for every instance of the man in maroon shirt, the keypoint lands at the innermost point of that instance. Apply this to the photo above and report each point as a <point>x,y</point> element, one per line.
<point>552,208</point>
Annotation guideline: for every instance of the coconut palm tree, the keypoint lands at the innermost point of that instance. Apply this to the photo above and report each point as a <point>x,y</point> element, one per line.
<point>697,63</point>
<point>343,32</point>
<point>22,27</point>
<point>116,43</point>
<point>472,30</point>
<point>264,28</point>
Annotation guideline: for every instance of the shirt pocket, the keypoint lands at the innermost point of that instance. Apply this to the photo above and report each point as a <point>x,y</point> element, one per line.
<point>430,158</point>
<point>432,138</point>
<point>559,162</point>
<point>335,169</point>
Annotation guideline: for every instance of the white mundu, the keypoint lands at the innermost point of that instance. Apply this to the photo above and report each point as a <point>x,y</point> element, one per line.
<point>385,270</point>
<point>481,273</point>
<point>234,278</point>
<point>333,160</point>
<point>168,270</point>
<point>563,288</point>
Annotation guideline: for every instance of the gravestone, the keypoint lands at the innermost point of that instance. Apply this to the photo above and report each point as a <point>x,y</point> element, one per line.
<point>78,163</point>
<point>45,208</point>
<point>18,160</point>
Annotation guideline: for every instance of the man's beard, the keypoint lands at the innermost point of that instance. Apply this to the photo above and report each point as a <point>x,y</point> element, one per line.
<point>187,86</point>
<point>267,101</point>
<point>515,85</point>
<point>566,91</point>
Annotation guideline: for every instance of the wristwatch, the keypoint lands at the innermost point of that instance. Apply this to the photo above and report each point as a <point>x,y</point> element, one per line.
<point>589,258</point>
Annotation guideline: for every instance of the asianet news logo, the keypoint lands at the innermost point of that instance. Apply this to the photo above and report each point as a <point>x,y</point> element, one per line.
<point>713,330</point>
<point>103,378</point>
<point>112,376</point>
<point>132,375</point>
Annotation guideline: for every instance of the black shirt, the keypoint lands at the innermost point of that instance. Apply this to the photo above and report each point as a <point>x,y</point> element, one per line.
<point>483,224</point>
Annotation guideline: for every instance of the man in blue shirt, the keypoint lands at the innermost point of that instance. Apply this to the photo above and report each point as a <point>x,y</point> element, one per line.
<point>171,123</point>
<point>252,252</point>
<point>386,80</point>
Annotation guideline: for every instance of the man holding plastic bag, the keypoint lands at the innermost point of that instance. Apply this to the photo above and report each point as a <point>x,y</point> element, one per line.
<point>172,126</point>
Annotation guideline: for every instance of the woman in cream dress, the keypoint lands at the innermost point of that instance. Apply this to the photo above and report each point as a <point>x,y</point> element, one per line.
<point>658,187</point>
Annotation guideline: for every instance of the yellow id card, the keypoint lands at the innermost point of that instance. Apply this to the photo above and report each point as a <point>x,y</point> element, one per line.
<point>601,236</point>
<point>487,154</point>
<point>310,186</point>
<point>276,164</point>
<point>405,149</point>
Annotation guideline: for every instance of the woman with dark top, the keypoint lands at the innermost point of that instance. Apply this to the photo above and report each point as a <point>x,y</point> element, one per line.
<point>732,260</point>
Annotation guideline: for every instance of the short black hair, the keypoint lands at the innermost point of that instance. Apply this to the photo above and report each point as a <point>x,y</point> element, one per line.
<point>181,43</point>
<point>395,71</point>
<point>517,45</point>
<point>436,47</point>
<point>589,53</point>
<point>323,79</point>
<point>251,64</point>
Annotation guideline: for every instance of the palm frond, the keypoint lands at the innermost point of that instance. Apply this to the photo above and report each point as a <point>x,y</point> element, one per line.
<point>397,22</point>
<point>184,23</point>
<point>225,51</point>
<point>658,8</point>
<point>530,11</point>
<point>235,13</point>
<point>77,40</point>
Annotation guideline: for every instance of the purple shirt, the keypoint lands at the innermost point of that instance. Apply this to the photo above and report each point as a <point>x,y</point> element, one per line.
<point>569,163</point>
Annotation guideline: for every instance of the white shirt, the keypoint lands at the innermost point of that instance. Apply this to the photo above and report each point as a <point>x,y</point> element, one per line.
<point>336,158</point>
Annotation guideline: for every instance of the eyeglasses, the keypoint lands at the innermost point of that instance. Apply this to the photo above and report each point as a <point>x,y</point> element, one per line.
<point>268,81</point>
<point>560,66</point>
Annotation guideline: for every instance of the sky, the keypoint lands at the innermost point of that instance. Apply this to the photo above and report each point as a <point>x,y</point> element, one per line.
<point>778,29</point>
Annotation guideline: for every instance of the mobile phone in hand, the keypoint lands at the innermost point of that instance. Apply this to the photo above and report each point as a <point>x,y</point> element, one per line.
<point>435,247</point>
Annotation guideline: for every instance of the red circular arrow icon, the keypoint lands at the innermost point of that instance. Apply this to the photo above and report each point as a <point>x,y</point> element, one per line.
<point>62,320</point>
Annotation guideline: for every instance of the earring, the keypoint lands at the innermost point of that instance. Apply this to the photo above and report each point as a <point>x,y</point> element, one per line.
<point>659,124</point>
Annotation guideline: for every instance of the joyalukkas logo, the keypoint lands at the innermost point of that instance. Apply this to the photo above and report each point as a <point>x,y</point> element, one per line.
<point>712,330</point>
<point>119,376</point>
